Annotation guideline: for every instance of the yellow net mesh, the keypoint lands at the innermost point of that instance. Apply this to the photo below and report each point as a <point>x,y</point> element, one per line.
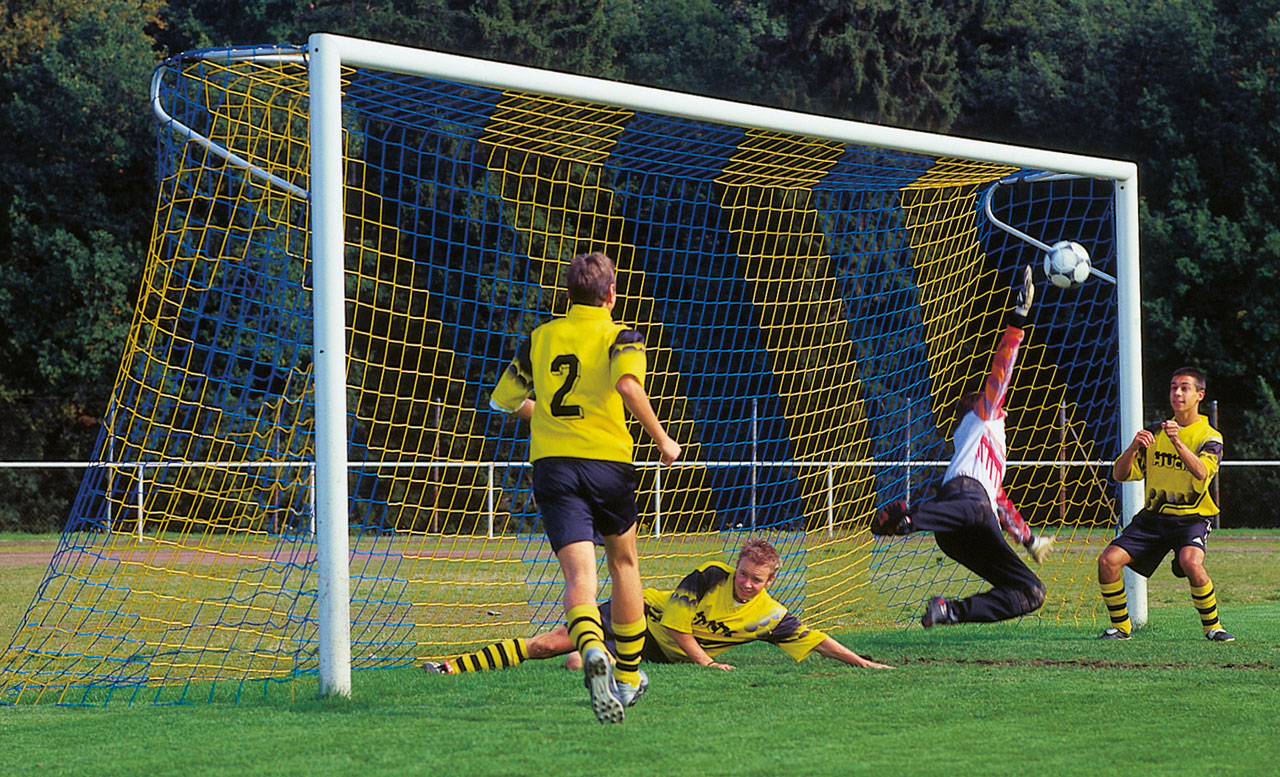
<point>811,310</point>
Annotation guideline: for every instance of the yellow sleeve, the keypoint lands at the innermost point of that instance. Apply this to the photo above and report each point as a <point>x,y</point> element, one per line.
<point>678,614</point>
<point>683,602</point>
<point>515,385</point>
<point>794,638</point>
<point>1210,454</point>
<point>627,357</point>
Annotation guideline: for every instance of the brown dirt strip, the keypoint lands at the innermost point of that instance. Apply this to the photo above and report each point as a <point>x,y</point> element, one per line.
<point>24,558</point>
<point>162,556</point>
<point>1087,663</point>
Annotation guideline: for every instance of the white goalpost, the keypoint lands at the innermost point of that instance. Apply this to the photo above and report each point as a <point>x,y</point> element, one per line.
<point>328,53</point>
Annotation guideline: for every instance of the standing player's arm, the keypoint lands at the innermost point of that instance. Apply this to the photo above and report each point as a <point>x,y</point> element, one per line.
<point>832,649</point>
<point>1198,469</point>
<point>1124,465</point>
<point>694,651</point>
<point>637,401</point>
<point>514,391</point>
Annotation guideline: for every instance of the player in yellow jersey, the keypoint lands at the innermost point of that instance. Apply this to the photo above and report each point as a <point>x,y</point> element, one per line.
<point>571,379</point>
<point>1178,458</point>
<point>714,608</point>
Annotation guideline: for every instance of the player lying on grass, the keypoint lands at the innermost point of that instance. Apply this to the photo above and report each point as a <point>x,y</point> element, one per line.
<point>714,608</point>
<point>971,507</point>
<point>1178,459</point>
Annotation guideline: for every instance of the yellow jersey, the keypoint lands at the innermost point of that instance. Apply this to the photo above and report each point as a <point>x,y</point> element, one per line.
<point>1170,488</point>
<point>571,367</point>
<point>703,605</point>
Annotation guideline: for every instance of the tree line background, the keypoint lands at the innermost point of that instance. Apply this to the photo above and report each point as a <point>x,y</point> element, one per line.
<point>1188,89</point>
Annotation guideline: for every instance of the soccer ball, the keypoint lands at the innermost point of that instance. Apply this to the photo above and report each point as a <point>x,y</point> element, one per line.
<point>1067,264</point>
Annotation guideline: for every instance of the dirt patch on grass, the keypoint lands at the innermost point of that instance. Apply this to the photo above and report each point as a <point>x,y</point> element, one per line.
<point>1091,663</point>
<point>167,556</point>
<point>25,558</point>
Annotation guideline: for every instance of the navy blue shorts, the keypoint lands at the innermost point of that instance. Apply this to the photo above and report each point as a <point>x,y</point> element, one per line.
<point>1150,536</point>
<point>584,499</point>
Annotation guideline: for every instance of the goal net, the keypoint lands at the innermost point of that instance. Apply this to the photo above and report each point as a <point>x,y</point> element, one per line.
<point>813,303</point>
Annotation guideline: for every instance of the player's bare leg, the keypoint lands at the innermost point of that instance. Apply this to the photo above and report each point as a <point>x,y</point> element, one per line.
<point>582,613</point>
<point>627,611</point>
<point>1111,564</point>
<point>1189,561</point>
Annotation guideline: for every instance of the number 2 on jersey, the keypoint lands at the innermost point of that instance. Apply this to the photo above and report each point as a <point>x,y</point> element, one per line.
<point>565,363</point>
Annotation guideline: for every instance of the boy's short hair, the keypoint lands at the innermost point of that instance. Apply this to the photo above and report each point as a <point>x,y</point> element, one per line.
<point>1191,372</point>
<point>760,552</point>
<point>589,278</point>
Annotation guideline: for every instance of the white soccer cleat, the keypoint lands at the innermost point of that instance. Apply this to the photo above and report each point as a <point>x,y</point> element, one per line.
<point>598,675</point>
<point>1039,548</point>
<point>629,694</point>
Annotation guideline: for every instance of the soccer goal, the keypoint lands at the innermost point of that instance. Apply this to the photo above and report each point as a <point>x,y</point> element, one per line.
<point>299,473</point>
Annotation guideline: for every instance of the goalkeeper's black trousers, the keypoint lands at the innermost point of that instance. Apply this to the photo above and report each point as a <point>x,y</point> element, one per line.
<point>966,529</point>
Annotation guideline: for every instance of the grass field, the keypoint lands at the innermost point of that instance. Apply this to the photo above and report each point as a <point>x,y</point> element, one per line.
<point>969,700</point>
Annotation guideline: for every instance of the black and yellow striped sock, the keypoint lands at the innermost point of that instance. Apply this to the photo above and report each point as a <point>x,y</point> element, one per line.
<point>1206,603</point>
<point>1117,605</point>
<point>499,655</point>
<point>628,639</point>
<point>585,627</point>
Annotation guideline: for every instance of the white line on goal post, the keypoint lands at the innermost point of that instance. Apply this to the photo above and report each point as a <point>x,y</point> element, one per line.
<point>1129,322</point>
<point>330,360</point>
<point>327,55</point>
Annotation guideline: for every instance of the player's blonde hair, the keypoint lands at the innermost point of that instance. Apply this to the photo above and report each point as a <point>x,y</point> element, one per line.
<point>589,278</point>
<point>761,552</point>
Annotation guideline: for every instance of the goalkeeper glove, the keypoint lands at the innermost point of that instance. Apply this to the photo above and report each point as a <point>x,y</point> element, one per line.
<point>1025,294</point>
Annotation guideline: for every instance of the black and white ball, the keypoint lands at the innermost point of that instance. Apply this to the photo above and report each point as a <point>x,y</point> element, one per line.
<point>1067,264</point>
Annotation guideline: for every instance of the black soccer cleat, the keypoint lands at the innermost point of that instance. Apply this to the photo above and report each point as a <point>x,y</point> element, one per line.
<point>937,613</point>
<point>1112,633</point>
<point>438,667</point>
<point>891,520</point>
<point>1220,635</point>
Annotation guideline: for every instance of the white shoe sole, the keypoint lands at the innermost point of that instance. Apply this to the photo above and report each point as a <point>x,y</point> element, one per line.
<point>599,678</point>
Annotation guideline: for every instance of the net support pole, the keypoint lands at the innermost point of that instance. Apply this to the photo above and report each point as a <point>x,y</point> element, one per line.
<point>328,298</point>
<point>139,496</point>
<point>1129,313</point>
<point>490,502</point>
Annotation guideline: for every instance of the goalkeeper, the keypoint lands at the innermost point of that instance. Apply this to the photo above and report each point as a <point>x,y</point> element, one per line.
<point>714,608</point>
<point>967,514</point>
<point>583,369</point>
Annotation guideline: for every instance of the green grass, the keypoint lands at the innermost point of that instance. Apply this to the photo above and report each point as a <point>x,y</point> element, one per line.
<point>968,700</point>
